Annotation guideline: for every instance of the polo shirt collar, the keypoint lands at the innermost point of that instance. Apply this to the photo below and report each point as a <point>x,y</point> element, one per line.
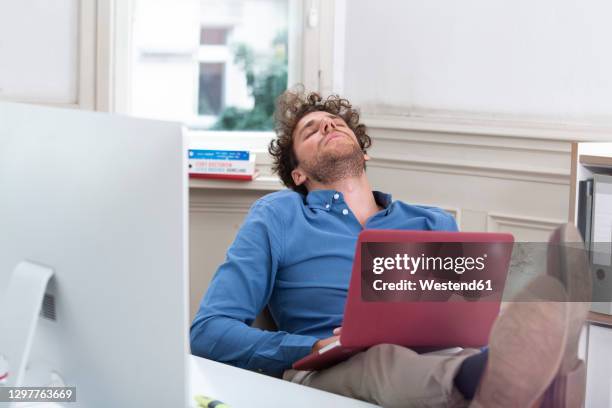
<point>325,198</point>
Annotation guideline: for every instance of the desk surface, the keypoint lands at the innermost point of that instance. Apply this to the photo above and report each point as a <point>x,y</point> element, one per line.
<point>242,388</point>
<point>600,318</point>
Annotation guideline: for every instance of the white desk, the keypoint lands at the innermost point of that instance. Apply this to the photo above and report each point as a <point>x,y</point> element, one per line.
<point>242,388</point>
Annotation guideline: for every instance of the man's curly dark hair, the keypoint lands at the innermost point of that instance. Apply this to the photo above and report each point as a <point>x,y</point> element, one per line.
<point>291,106</point>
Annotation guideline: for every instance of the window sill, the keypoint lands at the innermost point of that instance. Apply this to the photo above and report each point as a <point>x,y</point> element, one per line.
<point>269,183</point>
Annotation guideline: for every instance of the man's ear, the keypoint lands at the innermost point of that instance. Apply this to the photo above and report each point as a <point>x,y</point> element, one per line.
<point>366,157</point>
<point>298,176</point>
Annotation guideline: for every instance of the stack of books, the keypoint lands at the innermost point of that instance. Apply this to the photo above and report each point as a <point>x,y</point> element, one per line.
<point>221,164</point>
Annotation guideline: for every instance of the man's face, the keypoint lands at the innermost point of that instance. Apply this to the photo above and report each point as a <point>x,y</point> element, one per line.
<point>326,148</point>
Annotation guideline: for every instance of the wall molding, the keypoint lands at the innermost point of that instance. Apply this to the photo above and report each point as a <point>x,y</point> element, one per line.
<point>491,170</point>
<point>400,143</point>
<point>487,124</point>
<point>413,136</point>
<point>495,220</point>
<point>226,207</point>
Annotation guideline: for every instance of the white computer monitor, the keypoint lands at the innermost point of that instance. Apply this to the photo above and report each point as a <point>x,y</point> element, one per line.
<point>101,200</point>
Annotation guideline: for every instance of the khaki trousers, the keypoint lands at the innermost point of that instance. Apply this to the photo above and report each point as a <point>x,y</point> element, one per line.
<point>392,376</point>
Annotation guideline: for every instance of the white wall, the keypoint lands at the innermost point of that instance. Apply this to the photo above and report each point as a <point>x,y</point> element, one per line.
<point>535,59</point>
<point>49,52</point>
<point>38,50</point>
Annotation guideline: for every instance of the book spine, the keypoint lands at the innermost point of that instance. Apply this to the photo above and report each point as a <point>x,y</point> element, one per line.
<point>239,177</point>
<point>221,166</point>
<point>221,162</point>
<point>233,155</point>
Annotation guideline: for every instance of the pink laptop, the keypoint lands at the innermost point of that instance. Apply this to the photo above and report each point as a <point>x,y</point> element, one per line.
<point>454,305</point>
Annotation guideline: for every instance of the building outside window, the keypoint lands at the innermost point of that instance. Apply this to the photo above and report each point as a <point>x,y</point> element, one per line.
<point>212,64</point>
<point>211,84</point>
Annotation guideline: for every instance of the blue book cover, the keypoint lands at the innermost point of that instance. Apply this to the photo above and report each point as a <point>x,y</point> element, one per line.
<point>197,154</point>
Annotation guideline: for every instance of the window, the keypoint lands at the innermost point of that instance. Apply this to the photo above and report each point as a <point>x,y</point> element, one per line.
<point>213,64</point>
<point>162,51</point>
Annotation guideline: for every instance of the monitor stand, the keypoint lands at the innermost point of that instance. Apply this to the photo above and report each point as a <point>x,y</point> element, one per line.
<point>19,314</point>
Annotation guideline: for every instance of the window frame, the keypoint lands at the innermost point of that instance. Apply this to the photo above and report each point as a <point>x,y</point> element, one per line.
<point>311,60</point>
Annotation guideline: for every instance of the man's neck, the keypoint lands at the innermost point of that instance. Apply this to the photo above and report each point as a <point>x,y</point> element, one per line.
<point>357,193</point>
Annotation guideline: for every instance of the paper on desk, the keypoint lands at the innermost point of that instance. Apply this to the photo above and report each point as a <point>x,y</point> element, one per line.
<point>602,220</point>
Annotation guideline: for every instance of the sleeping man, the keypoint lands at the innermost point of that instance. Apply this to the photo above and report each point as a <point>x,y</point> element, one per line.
<point>294,254</point>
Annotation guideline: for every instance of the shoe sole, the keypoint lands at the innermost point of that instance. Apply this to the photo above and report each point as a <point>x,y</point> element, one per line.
<point>568,262</point>
<point>525,347</point>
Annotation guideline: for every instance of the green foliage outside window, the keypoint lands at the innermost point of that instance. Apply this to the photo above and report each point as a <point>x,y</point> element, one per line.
<point>266,79</point>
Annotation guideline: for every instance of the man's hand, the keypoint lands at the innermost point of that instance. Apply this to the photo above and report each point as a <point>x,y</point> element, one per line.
<point>324,342</point>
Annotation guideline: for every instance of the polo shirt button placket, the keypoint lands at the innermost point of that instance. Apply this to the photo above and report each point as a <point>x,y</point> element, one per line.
<point>345,211</point>
<point>336,196</point>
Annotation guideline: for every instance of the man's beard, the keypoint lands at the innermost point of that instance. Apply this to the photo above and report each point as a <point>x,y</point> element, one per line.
<point>333,166</point>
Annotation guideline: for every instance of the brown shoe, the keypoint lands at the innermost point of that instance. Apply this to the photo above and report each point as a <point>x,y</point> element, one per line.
<point>568,262</point>
<point>526,347</point>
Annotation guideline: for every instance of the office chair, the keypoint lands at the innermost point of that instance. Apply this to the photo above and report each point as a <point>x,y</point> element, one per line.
<point>265,321</point>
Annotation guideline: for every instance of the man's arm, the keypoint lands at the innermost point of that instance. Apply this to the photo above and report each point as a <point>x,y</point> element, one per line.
<point>238,292</point>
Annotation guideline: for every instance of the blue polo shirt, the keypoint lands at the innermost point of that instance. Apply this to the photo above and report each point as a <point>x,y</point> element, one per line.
<point>293,253</point>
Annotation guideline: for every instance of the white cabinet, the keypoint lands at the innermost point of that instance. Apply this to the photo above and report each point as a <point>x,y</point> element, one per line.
<point>589,159</point>
<point>599,367</point>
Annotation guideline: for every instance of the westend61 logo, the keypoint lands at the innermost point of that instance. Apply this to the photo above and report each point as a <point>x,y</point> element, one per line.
<point>433,271</point>
<point>412,264</point>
